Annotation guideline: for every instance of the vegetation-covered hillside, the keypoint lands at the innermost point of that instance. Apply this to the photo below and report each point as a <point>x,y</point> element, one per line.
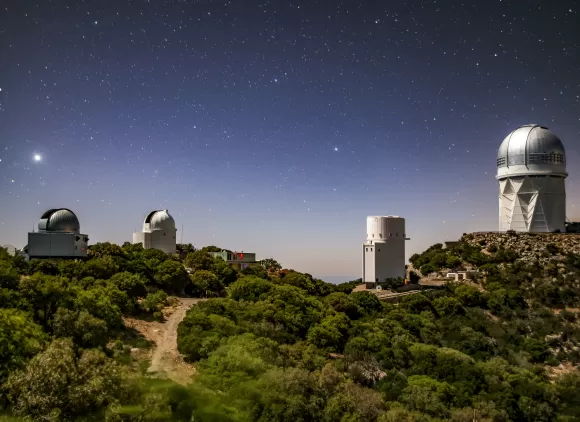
<point>278,345</point>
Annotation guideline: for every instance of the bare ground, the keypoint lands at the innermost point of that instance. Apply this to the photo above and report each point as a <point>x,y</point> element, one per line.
<point>166,361</point>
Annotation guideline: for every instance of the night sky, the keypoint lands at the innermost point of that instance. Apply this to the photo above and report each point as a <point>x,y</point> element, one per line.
<point>276,127</point>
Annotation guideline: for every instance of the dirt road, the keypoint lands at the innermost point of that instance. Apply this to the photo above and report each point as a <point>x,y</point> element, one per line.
<point>166,361</point>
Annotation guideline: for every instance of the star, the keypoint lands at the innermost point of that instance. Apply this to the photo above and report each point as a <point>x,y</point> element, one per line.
<point>37,158</point>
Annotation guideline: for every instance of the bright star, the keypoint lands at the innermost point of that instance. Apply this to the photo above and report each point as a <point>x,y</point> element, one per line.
<point>37,158</point>
<point>336,148</point>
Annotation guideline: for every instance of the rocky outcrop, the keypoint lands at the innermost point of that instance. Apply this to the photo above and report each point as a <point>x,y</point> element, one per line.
<point>531,247</point>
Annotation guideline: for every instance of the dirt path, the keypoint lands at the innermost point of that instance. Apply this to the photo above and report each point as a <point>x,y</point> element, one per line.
<point>166,361</point>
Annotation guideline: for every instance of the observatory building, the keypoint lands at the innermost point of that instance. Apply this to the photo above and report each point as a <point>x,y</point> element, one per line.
<point>159,232</point>
<point>384,250</point>
<point>58,236</point>
<point>531,170</point>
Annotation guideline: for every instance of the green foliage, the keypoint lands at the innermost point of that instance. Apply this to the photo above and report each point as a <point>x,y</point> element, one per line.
<point>256,270</point>
<point>135,285</point>
<point>172,276</point>
<point>207,283</point>
<point>331,333</point>
<point>20,339</point>
<point>348,286</point>
<point>285,346</point>
<point>58,383</point>
<point>250,288</point>
<point>85,330</point>
<point>270,265</point>
<point>341,302</point>
<point>428,395</point>
<point>368,303</point>
<point>154,302</point>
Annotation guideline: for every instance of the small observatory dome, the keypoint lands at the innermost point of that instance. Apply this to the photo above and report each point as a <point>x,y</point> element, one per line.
<point>531,150</point>
<point>59,220</point>
<point>159,220</point>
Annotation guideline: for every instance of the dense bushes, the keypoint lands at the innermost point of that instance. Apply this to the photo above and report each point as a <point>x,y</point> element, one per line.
<point>435,356</point>
<point>279,345</point>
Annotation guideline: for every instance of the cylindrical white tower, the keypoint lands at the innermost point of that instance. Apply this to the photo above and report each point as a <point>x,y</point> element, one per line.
<point>380,228</point>
<point>384,250</point>
<point>531,170</point>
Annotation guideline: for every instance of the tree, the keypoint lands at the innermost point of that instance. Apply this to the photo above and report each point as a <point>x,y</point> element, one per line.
<point>57,385</point>
<point>172,276</point>
<point>43,266</point>
<point>9,276</point>
<point>184,249</point>
<point>82,327</point>
<point>331,333</point>
<point>102,267</point>
<point>270,265</point>
<point>249,288</point>
<point>20,339</point>
<point>44,293</point>
<point>199,260</point>
<point>367,302</point>
<point>416,303</point>
<point>99,250</point>
<point>341,302</point>
<point>448,306</point>
<point>256,270</point>
<point>428,395</point>
<point>133,284</point>
<point>207,282</point>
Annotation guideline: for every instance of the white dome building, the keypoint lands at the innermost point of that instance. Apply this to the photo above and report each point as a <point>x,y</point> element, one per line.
<point>159,232</point>
<point>531,170</point>
<point>58,236</point>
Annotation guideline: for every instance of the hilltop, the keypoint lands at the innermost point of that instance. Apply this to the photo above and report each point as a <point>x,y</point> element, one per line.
<point>530,248</point>
<point>271,344</point>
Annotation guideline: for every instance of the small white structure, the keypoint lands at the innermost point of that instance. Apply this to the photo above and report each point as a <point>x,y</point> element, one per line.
<point>531,170</point>
<point>383,253</point>
<point>58,236</point>
<point>159,232</point>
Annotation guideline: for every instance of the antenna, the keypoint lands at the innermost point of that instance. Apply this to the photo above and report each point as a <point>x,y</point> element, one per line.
<point>181,238</point>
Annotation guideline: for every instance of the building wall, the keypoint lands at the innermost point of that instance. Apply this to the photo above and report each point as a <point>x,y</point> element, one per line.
<point>384,250</point>
<point>158,239</point>
<point>144,238</point>
<point>369,275</point>
<point>238,260</point>
<point>57,245</point>
<point>532,204</point>
<point>164,240</point>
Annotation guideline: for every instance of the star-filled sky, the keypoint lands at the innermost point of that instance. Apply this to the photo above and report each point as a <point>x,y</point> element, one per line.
<point>277,126</point>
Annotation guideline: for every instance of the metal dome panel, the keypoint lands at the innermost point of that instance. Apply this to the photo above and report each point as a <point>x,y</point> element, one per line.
<point>59,220</point>
<point>159,220</point>
<point>531,144</point>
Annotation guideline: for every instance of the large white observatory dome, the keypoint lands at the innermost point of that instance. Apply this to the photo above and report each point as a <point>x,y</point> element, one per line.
<point>59,220</point>
<point>159,220</point>
<point>531,171</point>
<point>531,150</point>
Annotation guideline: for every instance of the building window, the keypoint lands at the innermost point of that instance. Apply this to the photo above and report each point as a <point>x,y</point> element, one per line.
<point>367,249</point>
<point>378,250</point>
<point>377,280</point>
<point>390,234</point>
<point>381,235</point>
<point>371,249</point>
